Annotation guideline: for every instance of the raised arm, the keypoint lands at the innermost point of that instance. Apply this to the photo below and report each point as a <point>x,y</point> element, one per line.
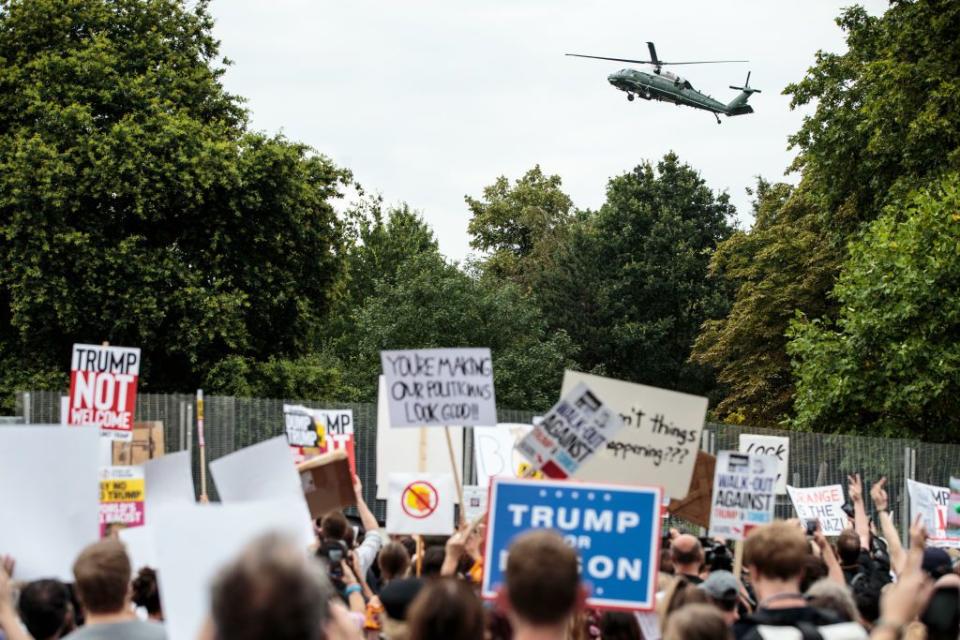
<point>9,620</point>
<point>366,516</point>
<point>860,523</point>
<point>878,492</point>
<point>834,571</point>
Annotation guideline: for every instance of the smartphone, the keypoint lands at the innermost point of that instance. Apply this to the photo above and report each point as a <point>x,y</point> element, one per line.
<point>811,527</point>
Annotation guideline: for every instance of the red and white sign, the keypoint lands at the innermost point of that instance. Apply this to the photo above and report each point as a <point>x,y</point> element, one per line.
<point>311,432</point>
<point>421,503</point>
<point>824,504</point>
<point>103,388</point>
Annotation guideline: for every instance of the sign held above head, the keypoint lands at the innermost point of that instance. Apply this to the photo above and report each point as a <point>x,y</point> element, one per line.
<point>103,388</point>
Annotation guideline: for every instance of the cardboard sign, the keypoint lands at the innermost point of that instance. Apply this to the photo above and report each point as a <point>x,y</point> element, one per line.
<point>494,451</point>
<point>421,504</point>
<point>659,441</point>
<point>103,388</point>
<point>823,504</point>
<point>440,387</point>
<point>776,446</point>
<point>122,495</point>
<point>695,506</point>
<point>572,431</point>
<point>403,450</point>
<point>474,501</point>
<point>743,494</point>
<point>327,483</point>
<point>953,512</point>
<point>615,530</point>
<point>48,489</point>
<point>311,432</point>
<point>932,502</point>
<point>147,443</point>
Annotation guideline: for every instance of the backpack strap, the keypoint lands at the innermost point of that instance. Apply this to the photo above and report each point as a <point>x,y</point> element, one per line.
<point>809,631</point>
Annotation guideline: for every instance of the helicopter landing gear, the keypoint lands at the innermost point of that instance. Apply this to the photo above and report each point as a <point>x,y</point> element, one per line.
<point>630,97</point>
<point>717,117</point>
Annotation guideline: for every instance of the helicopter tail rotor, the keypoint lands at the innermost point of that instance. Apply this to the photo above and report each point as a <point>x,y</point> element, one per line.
<point>746,86</point>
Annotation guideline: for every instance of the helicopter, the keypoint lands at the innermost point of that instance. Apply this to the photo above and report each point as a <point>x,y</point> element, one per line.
<point>668,87</point>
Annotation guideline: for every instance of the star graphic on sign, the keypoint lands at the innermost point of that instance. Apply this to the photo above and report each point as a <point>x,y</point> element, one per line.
<point>575,495</point>
<point>606,497</point>
<point>558,493</point>
<point>590,496</point>
<point>543,493</point>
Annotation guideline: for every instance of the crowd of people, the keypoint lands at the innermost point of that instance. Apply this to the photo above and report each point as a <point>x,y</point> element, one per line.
<point>357,582</point>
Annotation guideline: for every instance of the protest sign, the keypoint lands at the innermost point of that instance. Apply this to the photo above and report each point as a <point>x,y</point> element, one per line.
<point>824,504</point>
<point>953,511</point>
<point>614,529</point>
<point>147,443</point>
<point>121,498</point>
<point>261,472</point>
<point>474,501</point>
<point>572,431</point>
<point>440,387</point>
<point>402,450</point>
<point>48,489</point>
<point>141,546</point>
<point>103,388</point>
<point>695,506</point>
<point>420,504</point>
<point>169,479</point>
<point>327,483</point>
<point>494,451</point>
<point>311,432</point>
<point>660,439</point>
<point>193,542</point>
<point>932,502</point>
<point>743,494</point>
<point>776,446</point>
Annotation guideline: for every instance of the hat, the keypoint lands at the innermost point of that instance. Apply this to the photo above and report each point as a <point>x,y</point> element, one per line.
<point>721,585</point>
<point>397,595</point>
<point>936,562</point>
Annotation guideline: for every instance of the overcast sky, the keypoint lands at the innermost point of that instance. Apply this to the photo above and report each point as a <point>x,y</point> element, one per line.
<point>426,101</point>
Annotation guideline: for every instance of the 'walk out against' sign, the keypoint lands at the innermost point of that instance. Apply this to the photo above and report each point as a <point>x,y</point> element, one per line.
<point>615,530</point>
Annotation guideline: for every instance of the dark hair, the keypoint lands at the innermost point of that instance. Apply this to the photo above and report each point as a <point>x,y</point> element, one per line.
<point>146,592</point>
<point>666,561</point>
<point>334,526</point>
<point>393,561</point>
<point>542,580</point>
<point>446,609</point>
<point>866,589</point>
<point>102,576</point>
<point>433,559</point>
<point>848,547</point>
<point>45,609</point>
<point>619,625</point>
<point>814,568</point>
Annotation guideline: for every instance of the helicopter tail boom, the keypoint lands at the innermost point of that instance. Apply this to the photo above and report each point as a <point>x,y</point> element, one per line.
<point>738,106</point>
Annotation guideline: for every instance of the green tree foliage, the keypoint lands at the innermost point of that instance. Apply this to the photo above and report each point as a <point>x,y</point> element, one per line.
<point>135,206</point>
<point>890,364</point>
<point>629,282</point>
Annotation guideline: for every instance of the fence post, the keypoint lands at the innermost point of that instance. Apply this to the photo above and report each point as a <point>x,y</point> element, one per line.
<point>909,473</point>
<point>26,408</point>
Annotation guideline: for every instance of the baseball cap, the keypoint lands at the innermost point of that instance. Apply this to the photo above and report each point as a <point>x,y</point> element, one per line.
<point>397,595</point>
<point>936,562</point>
<point>721,585</point>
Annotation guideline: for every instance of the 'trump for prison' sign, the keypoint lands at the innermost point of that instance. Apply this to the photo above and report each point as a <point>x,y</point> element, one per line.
<point>614,529</point>
<point>103,388</point>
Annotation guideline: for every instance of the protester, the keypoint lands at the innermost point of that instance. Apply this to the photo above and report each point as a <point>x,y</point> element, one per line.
<point>9,620</point>
<point>617,625</point>
<point>46,609</point>
<point>397,596</point>
<point>146,593</point>
<point>724,592</point>
<point>775,555</point>
<point>446,609</point>
<point>686,555</point>
<point>541,588</point>
<point>680,594</point>
<point>697,622</point>
<point>394,563</point>
<point>827,594</point>
<point>335,527</point>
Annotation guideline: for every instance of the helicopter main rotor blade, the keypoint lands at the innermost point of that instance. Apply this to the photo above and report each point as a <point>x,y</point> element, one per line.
<point>580,55</point>
<point>704,62</point>
<point>657,63</point>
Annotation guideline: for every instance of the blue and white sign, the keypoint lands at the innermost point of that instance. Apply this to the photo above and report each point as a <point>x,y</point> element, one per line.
<point>615,529</point>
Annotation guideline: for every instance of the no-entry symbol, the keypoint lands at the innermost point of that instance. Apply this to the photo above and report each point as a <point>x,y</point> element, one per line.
<point>419,499</point>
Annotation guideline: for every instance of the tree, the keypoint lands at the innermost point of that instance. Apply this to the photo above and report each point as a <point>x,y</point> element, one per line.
<point>135,206</point>
<point>890,364</point>
<point>514,223</point>
<point>434,304</point>
<point>629,282</point>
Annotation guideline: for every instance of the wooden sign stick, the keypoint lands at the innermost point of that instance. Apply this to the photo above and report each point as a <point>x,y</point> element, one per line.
<point>738,559</point>
<point>456,476</point>
<point>203,449</point>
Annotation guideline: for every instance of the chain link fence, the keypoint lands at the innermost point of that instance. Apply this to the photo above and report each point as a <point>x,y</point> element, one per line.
<point>232,423</point>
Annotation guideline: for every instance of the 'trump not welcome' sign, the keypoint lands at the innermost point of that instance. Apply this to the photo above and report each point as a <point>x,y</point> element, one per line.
<point>103,388</point>
<point>440,387</point>
<point>615,530</point>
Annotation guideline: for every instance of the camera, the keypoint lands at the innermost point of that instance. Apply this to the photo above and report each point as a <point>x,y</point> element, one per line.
<point>717,556</point>
<point>333,552</point>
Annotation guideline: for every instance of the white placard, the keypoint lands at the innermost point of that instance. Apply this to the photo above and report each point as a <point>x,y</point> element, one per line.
<point>776,446</point>
<point>932,502</point>
<point>659,441</point>
<point>50,495</point>
<point>439,387</point>
<point>474,501</point>
<point>264,471</point>
<point>420,504</point>
<point>169,479</point>
<point>494,451</point>
<point>141,546</point>
<point>824,504</point>
<point>193,542</point>
<point>399,450</point>
<point>743,494</point>
<point>571,433</point>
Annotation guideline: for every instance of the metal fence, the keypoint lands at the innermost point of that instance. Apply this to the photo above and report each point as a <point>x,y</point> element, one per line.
<point>232,423</point>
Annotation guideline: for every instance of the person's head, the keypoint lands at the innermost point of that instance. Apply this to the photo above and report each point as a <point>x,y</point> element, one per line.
<point>619,625</point>
<point>46,610</point>
<point>666,562</point>
<point>697,622</point>
<point>936,562</point>
<point>867,588</point>
<point>393,561</point>
<point>813,569</point>
<point>542,581</point>
<point>272,591</point>
<point>334,526</point>
<point>776,552</point>
<point>396,598</point>
<point>848,547</point>
<point>680,594</point>
<point>827,594</point>
<point>724,592</point>
<point>102,577</point>
<point>686,553</point>
<point>446,609</point>
<point>146,592</point>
